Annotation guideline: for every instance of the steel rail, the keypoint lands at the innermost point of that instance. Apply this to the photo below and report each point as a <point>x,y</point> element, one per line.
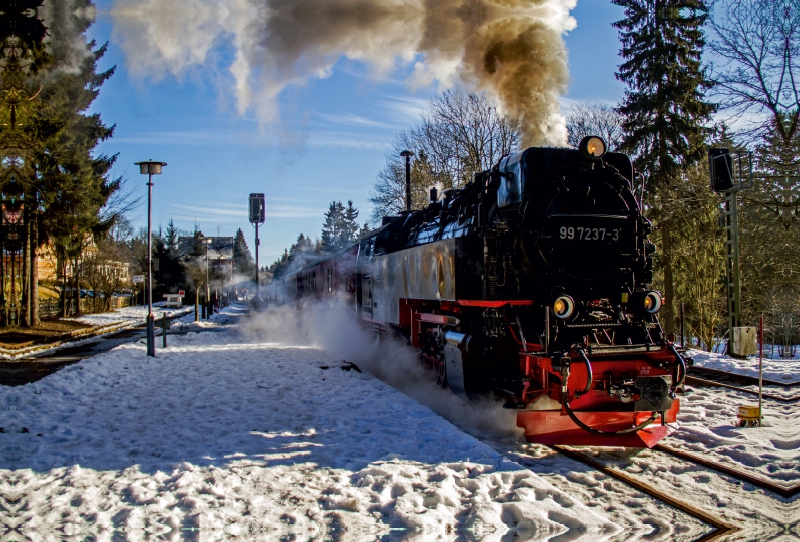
<point>785,492</point>
<point>706,372</point>
<point>695,381</point>
<point>722,528</point>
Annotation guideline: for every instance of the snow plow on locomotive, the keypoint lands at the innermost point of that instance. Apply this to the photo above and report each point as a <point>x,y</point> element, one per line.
<point>531,282</point>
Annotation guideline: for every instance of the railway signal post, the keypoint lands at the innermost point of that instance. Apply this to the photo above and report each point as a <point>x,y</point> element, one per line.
<point>150,168</point>
<point>730,174</point>
<point>257,216</point>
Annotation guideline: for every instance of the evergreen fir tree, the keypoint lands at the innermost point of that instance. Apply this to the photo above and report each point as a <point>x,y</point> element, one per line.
<point>171,236</point>
<point>334,227</point>
<point>664,110</point>
<point>350,224</point>
<point>242,259</point>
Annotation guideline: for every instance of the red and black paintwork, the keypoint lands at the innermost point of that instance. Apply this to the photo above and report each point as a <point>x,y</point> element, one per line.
<point>471,282</point>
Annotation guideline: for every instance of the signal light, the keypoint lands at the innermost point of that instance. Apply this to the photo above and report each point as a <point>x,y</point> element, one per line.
<point>652,302</point>
<point>720,167</point>
<point>563,307</point>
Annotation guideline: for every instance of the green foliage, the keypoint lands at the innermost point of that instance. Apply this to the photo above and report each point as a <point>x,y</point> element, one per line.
<point>243,262</point>
<point>699,255</point>
<point>664,107</point>
<point>340,228</point>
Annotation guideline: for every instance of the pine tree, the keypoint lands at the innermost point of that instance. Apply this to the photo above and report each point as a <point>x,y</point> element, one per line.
<point>48,138</point>
<point>350,229</point>
<point>171,236</point>
<point>242,259</point>
<point>664,110</point>
<point>334,227</point>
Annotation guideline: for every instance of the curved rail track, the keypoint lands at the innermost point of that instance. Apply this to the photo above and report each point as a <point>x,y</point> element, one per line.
<point>721,527</point>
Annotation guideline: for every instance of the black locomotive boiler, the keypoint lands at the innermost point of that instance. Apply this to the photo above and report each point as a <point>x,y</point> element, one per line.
<point>531,282</point>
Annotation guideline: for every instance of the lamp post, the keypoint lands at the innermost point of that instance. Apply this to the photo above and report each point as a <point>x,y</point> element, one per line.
<point>407,155</point>
<point>257,216</point>
<point>150,168</point>
<point>207,242</point>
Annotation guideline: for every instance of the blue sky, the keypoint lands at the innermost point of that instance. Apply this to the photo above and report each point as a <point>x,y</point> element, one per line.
<point>330,144</point>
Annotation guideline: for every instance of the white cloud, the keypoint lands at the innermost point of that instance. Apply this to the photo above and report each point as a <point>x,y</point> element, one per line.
<point>350,119</point>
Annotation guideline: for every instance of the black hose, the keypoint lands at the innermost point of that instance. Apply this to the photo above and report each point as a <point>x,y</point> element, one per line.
<point>594,431</point>
<point>682,364</point>
<point>589,377</point>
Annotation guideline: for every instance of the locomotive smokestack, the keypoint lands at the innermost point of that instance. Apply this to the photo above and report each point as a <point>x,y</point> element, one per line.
<point>407,155</point>
<point>511,48</point>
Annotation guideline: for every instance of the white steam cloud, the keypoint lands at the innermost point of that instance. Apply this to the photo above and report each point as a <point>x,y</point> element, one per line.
<point>511,48</point>
<point>66,22</point>
<point>332,326</point>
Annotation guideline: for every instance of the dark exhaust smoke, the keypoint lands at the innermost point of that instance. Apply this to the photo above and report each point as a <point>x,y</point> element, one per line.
<point>511,48</point>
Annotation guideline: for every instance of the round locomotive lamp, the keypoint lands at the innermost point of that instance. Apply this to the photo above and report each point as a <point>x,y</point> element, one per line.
<point>652,302</point>
<point>592,147</point>
<point>563,307</point>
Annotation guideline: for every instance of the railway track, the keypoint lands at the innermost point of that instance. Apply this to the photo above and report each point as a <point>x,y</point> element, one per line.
<point>784,491</point>
<point>733,378</point>
<point>713,378</point>
<point>721,527</point>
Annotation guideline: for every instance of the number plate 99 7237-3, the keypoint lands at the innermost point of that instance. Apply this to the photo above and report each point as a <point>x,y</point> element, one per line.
<point>586,233</point>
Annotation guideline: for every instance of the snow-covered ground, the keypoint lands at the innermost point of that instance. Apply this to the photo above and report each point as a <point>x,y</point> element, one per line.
<point>239,437</point>
<point>131,314</point>
<point>250,430</point>
<point>780,370</point>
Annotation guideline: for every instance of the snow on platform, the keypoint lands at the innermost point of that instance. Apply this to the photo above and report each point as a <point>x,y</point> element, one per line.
<point>135,313</point>
<point>235,436</point>
<point>779,370</point>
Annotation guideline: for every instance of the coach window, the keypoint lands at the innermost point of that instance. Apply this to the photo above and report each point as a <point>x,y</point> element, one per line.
<point>330,279</point>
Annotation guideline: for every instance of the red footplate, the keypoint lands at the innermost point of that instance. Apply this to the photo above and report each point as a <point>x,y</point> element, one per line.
<point>553,427</point>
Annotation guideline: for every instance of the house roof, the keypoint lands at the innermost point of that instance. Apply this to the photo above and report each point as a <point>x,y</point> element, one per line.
<point>220,247</point>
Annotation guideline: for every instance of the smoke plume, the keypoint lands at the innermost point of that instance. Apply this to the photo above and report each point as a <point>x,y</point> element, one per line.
<point>66,22</point>
<point>511,48</point>
<point>333,326</point>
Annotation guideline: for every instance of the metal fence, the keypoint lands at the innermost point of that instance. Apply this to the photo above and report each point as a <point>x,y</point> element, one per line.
<point>51,308</point>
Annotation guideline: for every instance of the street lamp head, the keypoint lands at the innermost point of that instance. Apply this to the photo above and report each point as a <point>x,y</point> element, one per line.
<point>406,153</point>
<point>150,167</point>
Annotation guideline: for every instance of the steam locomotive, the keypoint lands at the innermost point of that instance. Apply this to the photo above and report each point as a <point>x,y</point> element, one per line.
<point>531,282</point>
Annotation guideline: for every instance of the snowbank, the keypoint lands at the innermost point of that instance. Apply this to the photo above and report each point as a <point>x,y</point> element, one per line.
<point>780,370</point>
<point>241,437</point>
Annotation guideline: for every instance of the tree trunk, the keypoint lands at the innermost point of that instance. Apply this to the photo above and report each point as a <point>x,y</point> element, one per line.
<point>668,312</point>
<point>77,288</point>
<point>34,289</point>
<point>2,285</point>
<point>25,311</point>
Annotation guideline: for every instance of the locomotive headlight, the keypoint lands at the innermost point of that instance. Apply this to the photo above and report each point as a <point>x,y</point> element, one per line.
<point>592,147</point>
<point>652,302</point>
<point>563,307</point>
